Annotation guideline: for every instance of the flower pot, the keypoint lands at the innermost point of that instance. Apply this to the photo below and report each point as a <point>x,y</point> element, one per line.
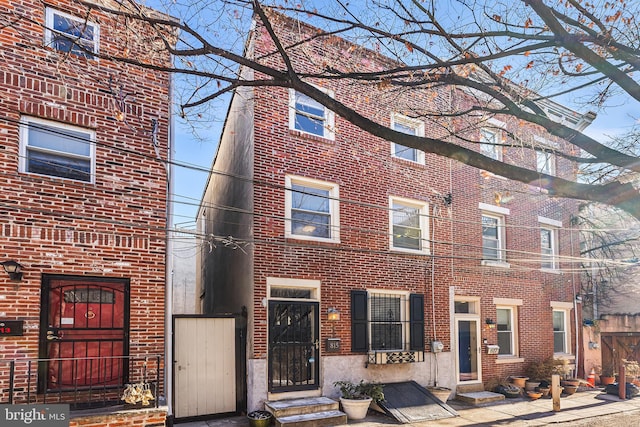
<point>571,383</point>
<point>259,418</point>
<point>519,381</point>
<point>533,395</point>
<point>544,390</point>
<point>570,389</point>
<point>531,385</point>
<point>356,409</point>
<point>606,380</point>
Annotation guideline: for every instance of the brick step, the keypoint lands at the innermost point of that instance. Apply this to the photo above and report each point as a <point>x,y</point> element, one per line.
<point>314,419</point>
<point>307,405</point>
<point>469,388</point>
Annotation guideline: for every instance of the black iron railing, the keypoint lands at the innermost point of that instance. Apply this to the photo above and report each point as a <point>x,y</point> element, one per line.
<point>83,383</point>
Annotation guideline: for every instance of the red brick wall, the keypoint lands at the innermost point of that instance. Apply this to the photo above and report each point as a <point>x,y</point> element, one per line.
<point>114,227</point>
<point>367,175</point>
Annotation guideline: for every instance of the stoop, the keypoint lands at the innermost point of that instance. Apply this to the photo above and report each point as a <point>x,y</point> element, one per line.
<point>306,412</point>
<point>474,394</point>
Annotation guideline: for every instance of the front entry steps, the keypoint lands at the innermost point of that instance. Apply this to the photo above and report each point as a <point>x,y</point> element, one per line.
<point>474,394</point>
<point>306,412</point>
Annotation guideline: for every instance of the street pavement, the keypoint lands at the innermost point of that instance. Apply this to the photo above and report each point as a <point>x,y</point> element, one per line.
<point>585,408</point>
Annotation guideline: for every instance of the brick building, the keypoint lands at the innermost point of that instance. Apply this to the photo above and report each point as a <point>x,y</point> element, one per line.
<point>83,147</point>
<point>364,259</point>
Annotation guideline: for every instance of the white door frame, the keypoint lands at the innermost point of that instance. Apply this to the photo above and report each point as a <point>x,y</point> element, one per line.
<point>469,317</point>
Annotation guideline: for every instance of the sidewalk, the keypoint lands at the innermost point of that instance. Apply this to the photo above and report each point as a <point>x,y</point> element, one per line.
<point>513,412</point>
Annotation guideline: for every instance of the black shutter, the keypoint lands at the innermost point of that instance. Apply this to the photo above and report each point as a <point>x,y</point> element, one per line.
<point>416,322</point>
<point>359,324</point>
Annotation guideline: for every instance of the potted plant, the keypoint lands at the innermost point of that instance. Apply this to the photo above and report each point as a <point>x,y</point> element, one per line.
<point>259,418</point>
<point>356,397</point>
<point>519,381</point>
<point>540,372</point>
<point>607,376</point>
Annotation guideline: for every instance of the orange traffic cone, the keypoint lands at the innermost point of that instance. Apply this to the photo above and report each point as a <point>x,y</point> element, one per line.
<point>591,379</point>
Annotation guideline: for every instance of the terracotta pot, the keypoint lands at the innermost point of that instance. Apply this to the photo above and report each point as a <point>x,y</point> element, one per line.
<point>519,381</point>
<point>604,380</point>
<point>533,395</point>
<point>570,389</point>
<point>544,390</point>
<point>531,385</point>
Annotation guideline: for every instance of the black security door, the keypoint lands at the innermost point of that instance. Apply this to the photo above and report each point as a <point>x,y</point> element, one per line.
<point>293,346</point>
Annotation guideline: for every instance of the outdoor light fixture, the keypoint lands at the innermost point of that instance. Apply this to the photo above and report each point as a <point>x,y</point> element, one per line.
<point>13,269</point>
<point>490,323</point>
<point>333,314</point>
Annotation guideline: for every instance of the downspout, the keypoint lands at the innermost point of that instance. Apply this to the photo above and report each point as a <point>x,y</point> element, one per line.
<point>575,303</point>
<point>168,341</point>
<point>433,294</point>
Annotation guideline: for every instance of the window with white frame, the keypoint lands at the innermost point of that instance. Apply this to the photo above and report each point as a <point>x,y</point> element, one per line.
<point>548,246</point>
<point>545,162</point>
<point>409,225</point>
<point>409,126</point>
<point>53,149</point>
<point>68,33</point>
<point>311,209</point>
<point>492,237</point>
<point>549,242</point>
<point>560,334</point>
<point>506,325</point>
<point>309,116</point>
<point>490,143</point>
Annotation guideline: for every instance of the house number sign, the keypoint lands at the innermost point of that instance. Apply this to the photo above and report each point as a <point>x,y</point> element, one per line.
<point>11,327</point>
<point>332,345</point>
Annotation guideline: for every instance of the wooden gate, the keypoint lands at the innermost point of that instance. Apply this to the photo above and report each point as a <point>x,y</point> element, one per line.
<point>617,346</point>
<point>204,366</point>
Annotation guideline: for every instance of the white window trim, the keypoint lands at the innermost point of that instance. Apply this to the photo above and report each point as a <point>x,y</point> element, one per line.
<point>334,208</point>
<point>553,234</point>
<point>502,242</point>
<point>24,139</point>
<point>404,315</point>
<point>277,282</point>
<point>497,133</point>
<point>494,209</point>
<point>553,225</point>
<point>423,221</point>
<point>567,330</point>
<point>514,331</point>
<point>551,162</point>
<point>329,116</point>
<point>416,124</point>
<point>49,31</point>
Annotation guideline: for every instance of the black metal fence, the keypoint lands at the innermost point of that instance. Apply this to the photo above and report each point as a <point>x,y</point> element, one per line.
<point>135,382</point>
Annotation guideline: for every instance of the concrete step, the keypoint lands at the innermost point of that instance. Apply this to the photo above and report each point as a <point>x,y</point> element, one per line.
<point>479,397</point>
<point>469,388</point>
<point>307,405</point>
<point>315,419</point>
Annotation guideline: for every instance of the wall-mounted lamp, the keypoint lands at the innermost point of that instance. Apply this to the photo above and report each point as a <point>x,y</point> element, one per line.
<point>13,269</point>
<point>333,314</point>
<point>490,323</point>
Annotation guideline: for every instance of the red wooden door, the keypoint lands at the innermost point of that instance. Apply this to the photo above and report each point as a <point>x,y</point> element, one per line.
<point>86,332</point>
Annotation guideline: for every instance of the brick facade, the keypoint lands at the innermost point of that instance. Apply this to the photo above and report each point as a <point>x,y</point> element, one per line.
<point>113,225</point>
<point>367,176</point>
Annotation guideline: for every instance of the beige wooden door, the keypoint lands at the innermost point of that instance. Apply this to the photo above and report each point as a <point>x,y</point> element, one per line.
<point>204,366</point>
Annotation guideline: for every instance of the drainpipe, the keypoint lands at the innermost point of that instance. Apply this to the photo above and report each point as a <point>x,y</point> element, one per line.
<point>575,304</point>
<point>168,336</point>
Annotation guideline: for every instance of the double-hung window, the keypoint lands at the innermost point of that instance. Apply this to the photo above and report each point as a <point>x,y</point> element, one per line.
<point>409,225</point>
<point>312,209</point>
<point>492,237</point>
<point>69,33</point>
<point>53,149</point>
<point>506,330</point>
<point>387,321</point>
<point>545,162</point>
<point>560,331</point>
<point>409,126</point>
<point>309,116</point>
<point>490,143</point>
<point>493,234</point>
<point>549,242</point>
